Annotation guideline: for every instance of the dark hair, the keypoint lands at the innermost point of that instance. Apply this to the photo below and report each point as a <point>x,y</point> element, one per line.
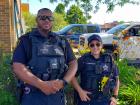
<point>43,9</point>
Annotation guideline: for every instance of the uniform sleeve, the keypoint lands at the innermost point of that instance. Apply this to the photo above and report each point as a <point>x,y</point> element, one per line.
<point>69,53</point>
<point>19,54</point>
<point>80,66</point>
<point>116,70</point>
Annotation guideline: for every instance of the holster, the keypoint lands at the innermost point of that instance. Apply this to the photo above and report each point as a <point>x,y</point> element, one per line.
<point>19,94</point>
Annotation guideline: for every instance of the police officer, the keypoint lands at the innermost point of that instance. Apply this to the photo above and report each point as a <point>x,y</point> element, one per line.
<point>44,62</point>
<point>99,80</point>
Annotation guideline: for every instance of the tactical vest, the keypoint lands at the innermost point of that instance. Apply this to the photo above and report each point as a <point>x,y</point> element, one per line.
<point>48,60</point>
<point>95,72</point>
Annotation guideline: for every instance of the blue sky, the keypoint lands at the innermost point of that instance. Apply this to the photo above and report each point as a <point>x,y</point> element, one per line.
<point>126,13</point>
<point>35,5</point>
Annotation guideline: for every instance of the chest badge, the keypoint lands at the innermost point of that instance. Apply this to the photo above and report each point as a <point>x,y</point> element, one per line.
<point>105,67</point>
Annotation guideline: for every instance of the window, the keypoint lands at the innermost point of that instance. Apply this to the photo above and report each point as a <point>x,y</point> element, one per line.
<point>77,30</point>
<point>92,29</point>
<point>135,31</point>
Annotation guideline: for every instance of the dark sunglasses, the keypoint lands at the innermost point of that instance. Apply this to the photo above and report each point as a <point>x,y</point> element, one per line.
<point>50,18</point>
<point>93,45</point>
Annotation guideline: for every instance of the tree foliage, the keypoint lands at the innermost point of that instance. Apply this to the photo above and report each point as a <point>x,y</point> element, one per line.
<point>75,15</point>
<point>29,21</point>
<point>60,9</point>
<point>59,22</point>
<point>95,4</point>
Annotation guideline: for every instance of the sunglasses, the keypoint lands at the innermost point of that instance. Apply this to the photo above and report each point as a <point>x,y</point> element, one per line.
<point>50,18</point>
<point>93,45</point>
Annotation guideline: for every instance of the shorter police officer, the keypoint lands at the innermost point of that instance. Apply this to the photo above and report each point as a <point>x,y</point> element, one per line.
<point>44,62</point>
<point>99,78</point>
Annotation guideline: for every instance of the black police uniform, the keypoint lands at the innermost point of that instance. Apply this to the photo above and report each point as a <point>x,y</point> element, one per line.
<point>92,73</point>
<point>47,58</point>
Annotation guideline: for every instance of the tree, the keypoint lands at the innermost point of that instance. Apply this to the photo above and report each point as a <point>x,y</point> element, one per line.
<point>60,9</point>
<point>109,3</point>
<point>89,5</point>
<point>75,15</point>
<point>29,21</point>
<point>59,22</point>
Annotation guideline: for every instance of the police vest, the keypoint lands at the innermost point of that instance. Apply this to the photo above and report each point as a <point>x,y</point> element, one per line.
<point>48,60</point>
<point>95,73</point>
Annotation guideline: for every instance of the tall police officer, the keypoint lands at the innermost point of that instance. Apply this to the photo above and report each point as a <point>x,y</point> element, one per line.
<point>40,60</point>
<point>99,80</point>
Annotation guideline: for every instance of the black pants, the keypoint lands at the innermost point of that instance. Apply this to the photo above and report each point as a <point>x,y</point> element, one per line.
<point>39,98</point>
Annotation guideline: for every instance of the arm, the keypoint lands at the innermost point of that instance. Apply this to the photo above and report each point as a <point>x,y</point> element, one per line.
<point>71,62</point>
<point>71,70</point>
<point>72,67</point>
<point>116,89</point>
<point>83,94</point>
<point>25,75</point>
<point>19,61</point>
<point>69,74</point>
<point>115,92</point>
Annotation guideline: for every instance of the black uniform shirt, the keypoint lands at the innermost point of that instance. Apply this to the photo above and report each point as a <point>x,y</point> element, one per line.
<point>20,54</point>
<point>88,56</point>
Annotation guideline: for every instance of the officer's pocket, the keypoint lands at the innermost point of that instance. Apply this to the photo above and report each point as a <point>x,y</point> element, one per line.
<point>89,77</point>
<point>91,83</point>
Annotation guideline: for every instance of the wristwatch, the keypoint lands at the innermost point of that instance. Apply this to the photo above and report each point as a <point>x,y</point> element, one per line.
<point>115,96</point>
<point>65,83</point>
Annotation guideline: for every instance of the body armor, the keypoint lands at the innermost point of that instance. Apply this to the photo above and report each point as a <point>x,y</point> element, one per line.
<point>48,60</point>
<point>97,75</point>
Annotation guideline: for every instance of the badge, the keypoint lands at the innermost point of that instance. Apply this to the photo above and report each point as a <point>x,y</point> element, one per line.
<point>105,67</point>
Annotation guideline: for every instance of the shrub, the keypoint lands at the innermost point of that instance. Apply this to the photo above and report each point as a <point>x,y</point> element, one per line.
<point>6,98</point>
<point>130,94</point>
<point>7,85</point>
<point>127,73</point>
<point>130,85</point>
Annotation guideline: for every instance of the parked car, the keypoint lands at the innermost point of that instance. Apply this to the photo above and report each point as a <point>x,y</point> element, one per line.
<point>123,39</point>
<point>73,31</point>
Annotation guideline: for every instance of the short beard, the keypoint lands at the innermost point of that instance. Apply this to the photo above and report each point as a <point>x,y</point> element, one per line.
<point>44,30</point>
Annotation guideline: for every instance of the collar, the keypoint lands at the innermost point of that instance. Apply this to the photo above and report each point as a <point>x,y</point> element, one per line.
<point>36,33</point>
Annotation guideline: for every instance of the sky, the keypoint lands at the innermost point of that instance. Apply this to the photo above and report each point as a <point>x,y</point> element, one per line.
<point>126,13</point>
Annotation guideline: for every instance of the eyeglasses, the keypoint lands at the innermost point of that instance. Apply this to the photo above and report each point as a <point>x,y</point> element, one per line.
<point>93,45</point>
<point>50,18</point>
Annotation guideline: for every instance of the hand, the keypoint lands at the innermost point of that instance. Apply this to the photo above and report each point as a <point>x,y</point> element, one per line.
<point>113,101</point>
<point>84,95</point>
<point>57,84</point>
<point>50,87</point>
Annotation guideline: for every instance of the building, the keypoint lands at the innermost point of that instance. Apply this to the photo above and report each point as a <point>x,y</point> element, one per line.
<point>10,24</point>
<point>108,26</point>
<point>24,7</point>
